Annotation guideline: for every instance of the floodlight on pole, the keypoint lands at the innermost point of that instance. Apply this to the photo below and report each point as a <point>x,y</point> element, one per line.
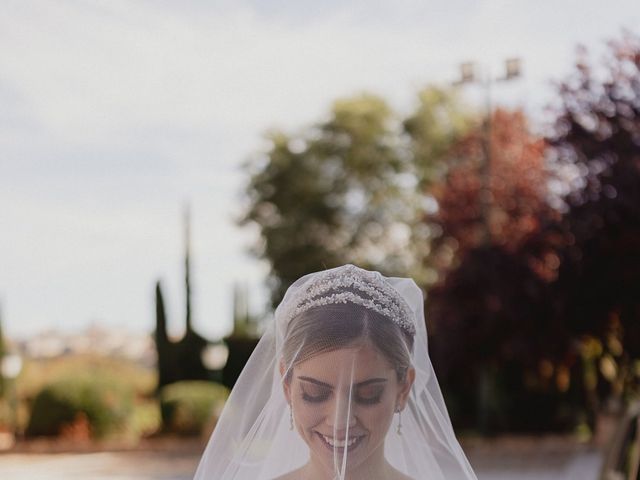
<point>467,71</point>
<point>512,68</point>
<point>468,76</point>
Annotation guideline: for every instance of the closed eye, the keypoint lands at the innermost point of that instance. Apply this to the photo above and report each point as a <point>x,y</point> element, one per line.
<point>315,397</point>
<point>369,396</point>
<point>368,392</point>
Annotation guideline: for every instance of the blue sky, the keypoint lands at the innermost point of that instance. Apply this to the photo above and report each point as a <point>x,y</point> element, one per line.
<point>114,113</point>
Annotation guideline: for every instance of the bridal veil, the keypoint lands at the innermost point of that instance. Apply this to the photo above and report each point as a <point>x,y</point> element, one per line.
<point>340,386</point>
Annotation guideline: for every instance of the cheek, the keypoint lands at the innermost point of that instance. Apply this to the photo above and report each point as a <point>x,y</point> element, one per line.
<point>377,418</point>
<point>307,415</point>
<point>375,415</point>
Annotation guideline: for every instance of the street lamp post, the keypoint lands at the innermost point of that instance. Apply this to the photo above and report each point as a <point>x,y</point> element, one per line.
<point>468,75</point>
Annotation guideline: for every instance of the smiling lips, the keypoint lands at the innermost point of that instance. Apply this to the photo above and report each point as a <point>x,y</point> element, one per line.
<point>351,443</point>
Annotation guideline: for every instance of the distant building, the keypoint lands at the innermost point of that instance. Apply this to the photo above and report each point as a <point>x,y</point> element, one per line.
<point>95,340</point>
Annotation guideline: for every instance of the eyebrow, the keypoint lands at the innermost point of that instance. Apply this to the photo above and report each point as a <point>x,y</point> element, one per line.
<point>360,384</point>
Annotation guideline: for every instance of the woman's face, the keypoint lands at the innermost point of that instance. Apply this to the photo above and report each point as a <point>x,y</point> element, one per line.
<point>346,398</point>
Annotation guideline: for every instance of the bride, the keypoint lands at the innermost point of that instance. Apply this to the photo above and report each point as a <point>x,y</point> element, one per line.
<point>340,386</point>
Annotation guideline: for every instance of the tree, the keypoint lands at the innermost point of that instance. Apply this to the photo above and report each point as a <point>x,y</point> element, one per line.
<point>494,335</point>
<point>331,195</point>
<point>182,359</point>
<point>517,186</point>
<point>488,307</point>
<point>345,190</point>
<point>596,140</point>
<point>166,364</point>
<point>439,121</point>
<point>243,339</point>
<point>555,310</point>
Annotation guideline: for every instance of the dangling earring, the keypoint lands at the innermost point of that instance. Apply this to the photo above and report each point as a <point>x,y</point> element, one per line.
<point>399,429</point>
<point>290,418</point>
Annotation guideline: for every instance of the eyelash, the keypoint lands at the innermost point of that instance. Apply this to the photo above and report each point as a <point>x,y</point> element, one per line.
<point>314,398</point>
<point>369,400</point>
<point>321,398</point>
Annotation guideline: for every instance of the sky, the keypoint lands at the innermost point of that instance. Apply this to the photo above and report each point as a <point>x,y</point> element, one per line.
<point>115,114</point>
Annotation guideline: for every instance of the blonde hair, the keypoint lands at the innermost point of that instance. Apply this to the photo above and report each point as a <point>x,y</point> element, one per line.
<point>331,327</point>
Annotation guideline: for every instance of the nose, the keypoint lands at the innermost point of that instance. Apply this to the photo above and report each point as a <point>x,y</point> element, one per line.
<point>341,414</point>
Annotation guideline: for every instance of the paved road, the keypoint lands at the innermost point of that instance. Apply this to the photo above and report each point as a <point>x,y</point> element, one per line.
<point>492,465</point>
<point>584,465</point>
<point>98,466</point>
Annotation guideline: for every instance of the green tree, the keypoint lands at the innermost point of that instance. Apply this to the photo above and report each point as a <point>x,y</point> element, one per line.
<point>164,347</point>
<point>182,359</point>
<point>243,339</point>
<point>330,195</point>
<point>350,189</point>
<point>597,136</point>
<point>440,120</point>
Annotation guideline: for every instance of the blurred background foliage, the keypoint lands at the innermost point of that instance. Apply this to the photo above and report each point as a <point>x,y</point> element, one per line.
<point>191,407</point>
<point>80,407</point>
<point>86,397</point>
<point>533,306</point>
<point>352,188</point>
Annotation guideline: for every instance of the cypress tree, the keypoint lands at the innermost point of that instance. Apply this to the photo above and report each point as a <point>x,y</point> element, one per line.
<point>163,344</point>
<point>160,335</point>
<point>181,360</point>
<point>187,267</point>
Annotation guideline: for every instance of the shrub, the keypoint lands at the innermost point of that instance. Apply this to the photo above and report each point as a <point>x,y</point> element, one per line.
<point>188,407</point>
<point>38,373</point>
<point>146,420</point>
<point>103,406</point>
<point>5,415</point>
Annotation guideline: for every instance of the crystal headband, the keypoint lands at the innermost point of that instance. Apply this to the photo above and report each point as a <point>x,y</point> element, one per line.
<point>367,288</point>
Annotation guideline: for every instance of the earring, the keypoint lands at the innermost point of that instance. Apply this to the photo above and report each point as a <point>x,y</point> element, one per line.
<point>399,429</point>
<point>290,418</point>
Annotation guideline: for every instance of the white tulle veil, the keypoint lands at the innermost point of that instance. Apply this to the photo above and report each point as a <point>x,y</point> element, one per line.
<point>341,423</point>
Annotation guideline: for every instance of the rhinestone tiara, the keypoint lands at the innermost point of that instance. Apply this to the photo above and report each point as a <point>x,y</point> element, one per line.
<point>353,284</point>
